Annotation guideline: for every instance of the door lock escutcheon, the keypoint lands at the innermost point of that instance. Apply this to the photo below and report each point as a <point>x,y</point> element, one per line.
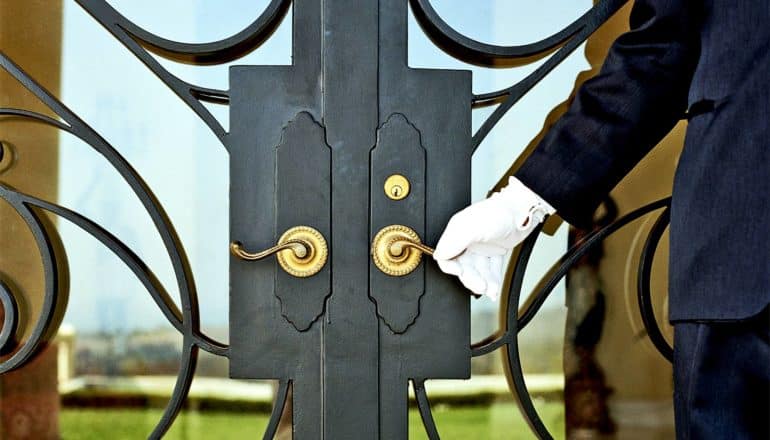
<point>397,250</point>
<point>397,187</point>
<point>301,251</point>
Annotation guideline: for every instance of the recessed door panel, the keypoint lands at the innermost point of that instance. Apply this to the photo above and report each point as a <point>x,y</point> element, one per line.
<point>345,145</point>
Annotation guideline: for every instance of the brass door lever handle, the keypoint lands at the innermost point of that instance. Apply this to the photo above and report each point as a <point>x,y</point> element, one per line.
<point>398,247</point>
<point>397,250</point>
<point>308,255</point>
<point>299,247</point>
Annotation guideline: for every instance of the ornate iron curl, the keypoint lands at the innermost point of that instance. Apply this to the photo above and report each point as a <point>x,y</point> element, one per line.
<point>187,321</point>
<point>559,45</point>
<point>7,157</point>
<point>491,55</point>
<point>141,42</point>
<point>216,52</point>
<point>643,286</point>
<point>465,49</point>
<point>516,320</point>
<point>278,407</point>
<point>423,404</point>
<point>54,290</point>
<point>10,317</point>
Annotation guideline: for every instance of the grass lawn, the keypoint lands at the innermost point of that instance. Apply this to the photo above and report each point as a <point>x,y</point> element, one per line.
<point>500,421</point>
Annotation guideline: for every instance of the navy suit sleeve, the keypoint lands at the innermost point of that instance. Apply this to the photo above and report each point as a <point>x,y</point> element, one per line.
<point>620,114</point>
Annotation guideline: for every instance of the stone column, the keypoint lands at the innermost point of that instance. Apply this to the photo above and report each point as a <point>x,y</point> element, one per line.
<point>30,34</point>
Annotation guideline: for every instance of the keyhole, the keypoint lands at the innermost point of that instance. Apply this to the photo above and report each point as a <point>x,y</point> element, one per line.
<point>396,187</point>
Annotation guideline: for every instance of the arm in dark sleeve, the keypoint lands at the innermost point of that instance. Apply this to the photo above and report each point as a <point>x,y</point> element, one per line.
<point>620,114</point>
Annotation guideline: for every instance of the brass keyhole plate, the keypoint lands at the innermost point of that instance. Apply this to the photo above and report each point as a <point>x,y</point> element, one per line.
<point>397,187</point>
<point>316,257</point>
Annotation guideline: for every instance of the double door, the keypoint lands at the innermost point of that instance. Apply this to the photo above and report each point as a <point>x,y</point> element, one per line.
<point>345,168</point>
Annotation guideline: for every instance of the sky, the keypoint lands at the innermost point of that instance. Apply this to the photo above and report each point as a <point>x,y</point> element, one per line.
<point>187,167</point>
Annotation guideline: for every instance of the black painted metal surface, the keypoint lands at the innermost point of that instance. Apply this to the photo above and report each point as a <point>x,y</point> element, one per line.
<point>399,150</point>
<point>311,144</point>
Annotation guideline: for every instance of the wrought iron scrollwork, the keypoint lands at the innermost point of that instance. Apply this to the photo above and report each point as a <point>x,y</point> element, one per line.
<point>141,42</point>
<point>55,289</point>
<point>558,46</point>
<point>10,317</point>
<point>186,319</point>
<point>517,319</point>
<point>215,52</point>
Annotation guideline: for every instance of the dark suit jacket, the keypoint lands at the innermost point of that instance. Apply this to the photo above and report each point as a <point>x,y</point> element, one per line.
<point>712,56</point>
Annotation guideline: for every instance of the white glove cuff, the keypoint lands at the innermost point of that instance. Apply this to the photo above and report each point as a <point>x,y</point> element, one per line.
<point>516,193</point>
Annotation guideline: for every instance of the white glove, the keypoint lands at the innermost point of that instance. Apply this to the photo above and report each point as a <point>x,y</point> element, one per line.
<point>477,239</point>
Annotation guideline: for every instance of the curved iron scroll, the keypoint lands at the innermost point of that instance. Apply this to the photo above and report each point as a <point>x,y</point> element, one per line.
<point>465,49</point>
<point>140,42</point>
<point>186,319</point>
<point>558,46</point>
<point>517,320</point>
<point>215,52</point>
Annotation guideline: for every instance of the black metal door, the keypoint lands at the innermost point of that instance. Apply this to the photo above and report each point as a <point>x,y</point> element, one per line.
<point>313,145</point>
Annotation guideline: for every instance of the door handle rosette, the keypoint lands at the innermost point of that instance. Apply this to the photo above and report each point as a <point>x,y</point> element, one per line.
<point>397,250</point>
<point>301,251</point>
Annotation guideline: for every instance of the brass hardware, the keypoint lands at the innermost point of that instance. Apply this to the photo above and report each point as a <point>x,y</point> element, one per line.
<point>397,250</point>
<point>299,248</point>
<point>310,264</point>
<point>308,251</point>
<point>397,187</point>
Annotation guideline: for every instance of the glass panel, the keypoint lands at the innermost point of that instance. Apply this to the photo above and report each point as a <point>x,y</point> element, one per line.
<point>483,407</point>
<point>117,354</point>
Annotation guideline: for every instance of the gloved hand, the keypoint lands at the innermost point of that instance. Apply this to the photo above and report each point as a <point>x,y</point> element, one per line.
<point>477,239</point>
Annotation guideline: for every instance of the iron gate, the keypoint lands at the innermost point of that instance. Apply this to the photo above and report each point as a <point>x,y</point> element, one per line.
<point>343,165</point>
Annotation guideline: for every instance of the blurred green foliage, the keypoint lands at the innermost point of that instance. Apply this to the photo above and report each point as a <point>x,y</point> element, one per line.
<point>500,421</point>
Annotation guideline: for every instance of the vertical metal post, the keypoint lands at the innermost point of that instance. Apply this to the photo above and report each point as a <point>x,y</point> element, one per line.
<point>350,341</point>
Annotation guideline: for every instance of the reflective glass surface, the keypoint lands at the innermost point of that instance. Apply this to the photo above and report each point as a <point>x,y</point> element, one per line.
<point>117,356</point>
